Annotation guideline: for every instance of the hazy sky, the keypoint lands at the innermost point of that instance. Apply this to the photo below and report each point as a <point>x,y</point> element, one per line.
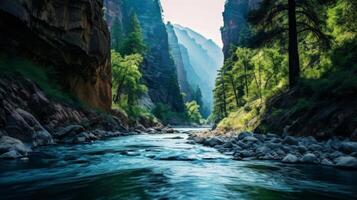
<point>202,16</point>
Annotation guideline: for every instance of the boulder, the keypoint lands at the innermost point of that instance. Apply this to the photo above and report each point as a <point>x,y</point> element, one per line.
<point>302,149</point>
<point>70,130</point>
<point>242,135</point>
<point>346,162</point>
<point>13,154</point>
<point>8,144</point>
<point>290,140</point>
<point>41,138</point>
<point>327,162</point>
<point>309,158</point>
<point>214,141</point>
<point>251,139</point>
<point>290,158</point>
<point>348,147</point>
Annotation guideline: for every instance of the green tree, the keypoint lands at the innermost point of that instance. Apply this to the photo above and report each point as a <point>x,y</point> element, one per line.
<point>134,42</point>
<point>126,75</point>
<point>274,19</point>
<point>193,111</point>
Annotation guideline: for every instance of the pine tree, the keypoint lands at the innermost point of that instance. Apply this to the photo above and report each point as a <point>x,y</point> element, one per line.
<point>134,43</point>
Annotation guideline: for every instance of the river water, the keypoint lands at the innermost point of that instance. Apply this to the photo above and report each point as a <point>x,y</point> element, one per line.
<point>164,167</point>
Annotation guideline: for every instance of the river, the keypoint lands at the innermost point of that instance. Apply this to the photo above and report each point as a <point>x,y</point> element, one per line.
<point>164,167</point>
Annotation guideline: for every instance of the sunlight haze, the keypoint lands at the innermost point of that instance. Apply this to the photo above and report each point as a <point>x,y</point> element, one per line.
<point>203,16</point>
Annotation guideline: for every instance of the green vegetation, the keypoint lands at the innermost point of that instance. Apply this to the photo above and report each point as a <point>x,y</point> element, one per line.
<point>254,74</point>
<point>193,111</point>
<point>40,75</point>
<point>127,88</point>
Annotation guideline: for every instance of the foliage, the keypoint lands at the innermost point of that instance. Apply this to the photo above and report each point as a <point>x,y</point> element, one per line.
<point>42,76</point>
<point>127,86</point>
<point>193,111</point>
<point>167,116</point>
<point>252,76</point>
<point>134,42</point>
<point>116,35</point>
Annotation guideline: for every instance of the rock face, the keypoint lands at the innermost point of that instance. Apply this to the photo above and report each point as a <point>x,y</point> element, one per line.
<point>29,119</point>
<point>179,63</point>
<point>204,59</point>
<point>72,36</point>
<point>159,71</point>
<point>235,30</point>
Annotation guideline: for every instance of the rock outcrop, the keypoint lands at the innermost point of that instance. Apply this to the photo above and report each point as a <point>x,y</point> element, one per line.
<point>159,71</point>
<point>235,30</point>
<point>69,35</point>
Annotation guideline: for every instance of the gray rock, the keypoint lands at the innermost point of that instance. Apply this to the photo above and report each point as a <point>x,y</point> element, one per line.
<point>346,162</point>
<point>301,149</point>
<point>335,155</point>
<point>309,158</point>
<point>272,145</point>
<point>214,141</point>
<point>262,150</point>
<point>199,140</point>
<point>41,138</point>
<point>290,158</point>
<point>250,139</point>
<point>70,130</point>
<point>228,144</point>
<point>13,154</point>
<point>348,147</point>
<point>307,141</point>
<point>242,135</point>
<point>315,147</point>
<point>334,144</point>
<point>276,140</point>
<point>290,140</point>
<point>327,162</point>
<point>8,144</point>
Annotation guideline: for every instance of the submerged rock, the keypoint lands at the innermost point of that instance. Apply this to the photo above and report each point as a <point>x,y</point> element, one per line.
<point>348,147</point>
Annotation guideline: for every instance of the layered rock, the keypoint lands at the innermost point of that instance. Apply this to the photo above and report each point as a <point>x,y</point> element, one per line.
<point>159,71</point>
<point>236,31</point>
<point>71,36</point>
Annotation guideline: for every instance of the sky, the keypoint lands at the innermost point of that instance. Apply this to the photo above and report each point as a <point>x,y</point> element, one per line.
<point>202,16</point>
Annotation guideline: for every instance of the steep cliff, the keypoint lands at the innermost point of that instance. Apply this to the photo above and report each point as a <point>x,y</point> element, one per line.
<point>235,30</point>
<point>159,71</point>
<point>204,59</point>
<point>71,36</point>
<point>179,63</point>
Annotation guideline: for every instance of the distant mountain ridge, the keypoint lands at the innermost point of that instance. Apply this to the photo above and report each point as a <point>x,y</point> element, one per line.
<point>204,59</point>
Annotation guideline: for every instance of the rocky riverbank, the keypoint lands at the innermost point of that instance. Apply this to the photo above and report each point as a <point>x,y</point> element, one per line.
<point>29,119</point>
<point>336,152</point>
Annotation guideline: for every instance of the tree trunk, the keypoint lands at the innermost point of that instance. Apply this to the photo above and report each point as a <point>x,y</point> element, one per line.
<point>294,65</point>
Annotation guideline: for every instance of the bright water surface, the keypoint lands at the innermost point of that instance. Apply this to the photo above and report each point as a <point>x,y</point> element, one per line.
<point>161,167</point>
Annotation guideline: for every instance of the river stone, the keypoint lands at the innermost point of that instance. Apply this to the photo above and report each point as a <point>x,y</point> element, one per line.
<point>198,140</point>
<point>346,162</point>
<point>301,149</point>
<point>262,150</point>
<point>348,147</point>
<point>290,158</point>
<point>327,162</point>
<point>309,158</point>
<point>315,147</point>
<point>276,140</point>
<point>69,131</point>
<point>250,139</point>
<point>273,145</point>
<point>290,140</point>
<point>242,135</point>
<point>41,138</point>
<point>214,141</point>
<point>8,144</point>
<point>13,154</point>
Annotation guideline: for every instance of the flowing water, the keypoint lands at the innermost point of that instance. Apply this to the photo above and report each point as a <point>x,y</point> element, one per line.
<point>164,167</point>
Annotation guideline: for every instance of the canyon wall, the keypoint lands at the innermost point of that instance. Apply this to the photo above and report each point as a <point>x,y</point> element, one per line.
<point>235,30</point>
<point>204,58</point>
<point>159,71</point>
<point>71,36</point>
